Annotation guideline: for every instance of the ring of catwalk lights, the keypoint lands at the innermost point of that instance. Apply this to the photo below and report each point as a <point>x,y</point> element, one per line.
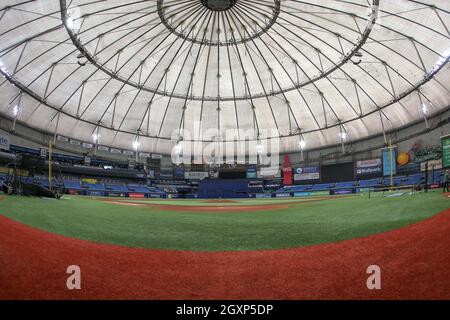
<point>312,73</point>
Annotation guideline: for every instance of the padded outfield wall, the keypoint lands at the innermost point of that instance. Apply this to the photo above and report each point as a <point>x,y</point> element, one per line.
<point>216,189</point>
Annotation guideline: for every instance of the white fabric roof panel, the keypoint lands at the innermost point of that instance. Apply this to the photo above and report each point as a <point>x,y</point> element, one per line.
<point>152,68</point>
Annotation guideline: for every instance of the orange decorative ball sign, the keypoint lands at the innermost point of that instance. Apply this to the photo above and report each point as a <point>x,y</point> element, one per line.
<point>402,158</point>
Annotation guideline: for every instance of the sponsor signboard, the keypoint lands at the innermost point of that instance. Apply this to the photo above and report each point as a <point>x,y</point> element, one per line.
<point>103,148</point>
<point>302,194</point>
<point>311,193</point>
<point>61,138</point>
<point>432,164</point>
<point>144,155</point>
<point>89,180</point>
<point>194,175</point>
<point>117,151</point>
<point>154,195</point>
<point>269,173</point>
<point>251,171</point>
<point>343,191</point>
<point>446,152</point>
<point>287,171</point>
<point>95,193</point>
<point>156,156</point>
<point>179,173</point>
<point>389,157</point>
<point>136,195</point>
<point>251,175</point>
<point>283,195</point>
<point>75,142</point>
<point>43,151</point>
<point>263,195</point>
<point>307,173</point>
<point>115,194</point>
<point>369,167</point>
<point>214,174</point>
<point>87,145</point>
<point>4,141</point>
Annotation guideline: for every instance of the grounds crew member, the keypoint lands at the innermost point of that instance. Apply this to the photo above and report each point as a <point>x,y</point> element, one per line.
<point>445,182</point>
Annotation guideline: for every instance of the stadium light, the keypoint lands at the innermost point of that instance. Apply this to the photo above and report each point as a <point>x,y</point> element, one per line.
<point>302,144</point>
<point>16,110</point>
<point>424,109</point>
<point>136,144</point>
<point>343,135</point>
<point>259,148</point>
<point>95,137</point>
<point>69,22</point>
<point>177,149</point>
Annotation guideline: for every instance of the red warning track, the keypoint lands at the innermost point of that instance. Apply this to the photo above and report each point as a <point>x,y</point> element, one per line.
<point>415,264</point>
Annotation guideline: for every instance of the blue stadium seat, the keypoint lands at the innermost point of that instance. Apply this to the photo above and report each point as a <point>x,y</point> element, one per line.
<point>343,185</point>
<point>116,188</point>
<point>76,185</point>
<point>94,187</point>
<point>370,183</point>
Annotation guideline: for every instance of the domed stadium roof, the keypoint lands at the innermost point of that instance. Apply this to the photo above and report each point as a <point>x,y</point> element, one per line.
<point>316,70</point>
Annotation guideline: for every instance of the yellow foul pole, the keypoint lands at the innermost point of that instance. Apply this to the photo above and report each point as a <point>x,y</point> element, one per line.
<point>390,160</point>
<point>50,165</point>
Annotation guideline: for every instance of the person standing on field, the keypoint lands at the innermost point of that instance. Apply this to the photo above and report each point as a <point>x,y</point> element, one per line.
<point>445,182</point>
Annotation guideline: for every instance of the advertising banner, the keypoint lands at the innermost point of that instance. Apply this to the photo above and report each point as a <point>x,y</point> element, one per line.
<point>307,173</point>
<point>144,155</point>
<point>75,142</point>
<point>446,152</point>
<point>151,174</point>
<point>269,173</point>
<point>388,158</point>
<point>95,193</point>
<point>194,175</point>
<point>179,173</point>
<point>263,195</point>
<point>117,151</point>
<point>88,145</point>
<point>432,165</point>
<point>283,195</point>
<point>287,176</point>
<point>89,181</point>
<point>251,171</point>
<point>369,167</point>
<point>214,174</point>
<point>43,151</point>
<point>287,171</point>
<point>61,138</point>
<point>136,195</point>
<point>4,141</point>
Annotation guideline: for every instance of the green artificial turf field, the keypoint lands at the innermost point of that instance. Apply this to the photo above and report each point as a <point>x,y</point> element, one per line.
<point>300,224</point>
